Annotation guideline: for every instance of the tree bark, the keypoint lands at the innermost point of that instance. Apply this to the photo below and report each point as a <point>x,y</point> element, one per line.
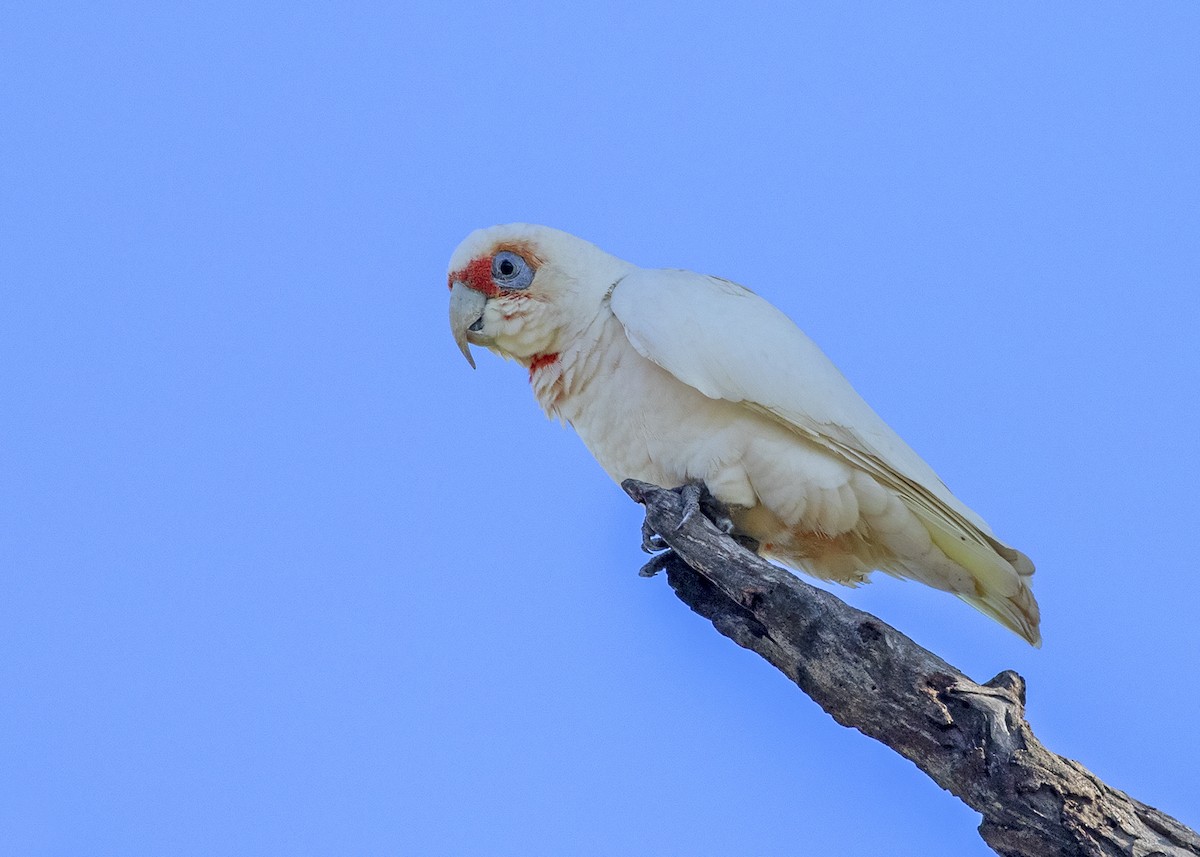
<point>971,739</point>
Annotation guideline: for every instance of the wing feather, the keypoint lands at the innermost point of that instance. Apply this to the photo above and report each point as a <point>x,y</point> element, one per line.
<point>749,352</point>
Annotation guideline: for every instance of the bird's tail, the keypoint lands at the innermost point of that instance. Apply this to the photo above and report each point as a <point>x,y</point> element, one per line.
<point>1018,613</point>
<point>1002,580</point>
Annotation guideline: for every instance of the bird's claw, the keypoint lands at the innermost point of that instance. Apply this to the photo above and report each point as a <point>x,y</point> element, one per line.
<point>696,498</point>
<point>652,542</point>
<point>657,563</point>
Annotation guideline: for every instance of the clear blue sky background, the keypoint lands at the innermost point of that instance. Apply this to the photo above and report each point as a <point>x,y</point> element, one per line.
<point>281,575</point>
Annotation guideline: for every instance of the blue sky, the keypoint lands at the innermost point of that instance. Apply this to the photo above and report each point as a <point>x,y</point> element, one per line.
<point>281,575</point>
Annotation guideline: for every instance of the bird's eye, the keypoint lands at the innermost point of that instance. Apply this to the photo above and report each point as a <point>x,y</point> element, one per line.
<point>510,271</point>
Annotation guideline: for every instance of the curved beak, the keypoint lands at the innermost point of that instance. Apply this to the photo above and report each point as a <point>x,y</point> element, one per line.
<point>466,314</point>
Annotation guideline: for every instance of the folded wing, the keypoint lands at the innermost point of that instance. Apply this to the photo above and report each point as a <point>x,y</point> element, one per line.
<point>728,343</point>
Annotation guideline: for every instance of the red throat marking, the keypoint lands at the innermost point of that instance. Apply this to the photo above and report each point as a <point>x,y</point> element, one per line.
<point>477,275</point>
<point>540,362</point>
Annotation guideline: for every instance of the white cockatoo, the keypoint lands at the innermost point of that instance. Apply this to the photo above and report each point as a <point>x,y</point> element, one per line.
<point>673,377</point>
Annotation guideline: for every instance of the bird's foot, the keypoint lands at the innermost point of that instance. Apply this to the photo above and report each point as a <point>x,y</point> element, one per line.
<point>657,563</point>
<point>691,494</point>
<point>748,542</point>
<point>696,498</point>
<point>652,542</point>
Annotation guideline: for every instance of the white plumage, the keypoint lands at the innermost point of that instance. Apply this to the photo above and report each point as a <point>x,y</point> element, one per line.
<point>671,376</point>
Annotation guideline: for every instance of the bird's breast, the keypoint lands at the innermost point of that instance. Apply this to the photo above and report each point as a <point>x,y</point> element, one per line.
<point>641,422</point>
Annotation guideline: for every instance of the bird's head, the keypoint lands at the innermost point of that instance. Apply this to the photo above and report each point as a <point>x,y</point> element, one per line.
<point>523,291</point>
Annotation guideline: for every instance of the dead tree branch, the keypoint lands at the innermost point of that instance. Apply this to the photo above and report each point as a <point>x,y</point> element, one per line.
<point>971,739</point>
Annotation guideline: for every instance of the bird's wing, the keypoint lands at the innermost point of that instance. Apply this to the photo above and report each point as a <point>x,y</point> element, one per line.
<point>729,343</point>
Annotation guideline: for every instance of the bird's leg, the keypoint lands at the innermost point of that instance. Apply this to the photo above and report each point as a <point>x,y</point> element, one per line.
<point>696,498</point>
<point>717,512</point>
<point>691,493</point>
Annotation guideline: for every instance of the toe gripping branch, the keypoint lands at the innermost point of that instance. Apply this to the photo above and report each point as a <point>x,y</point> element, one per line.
<point>696,500</point>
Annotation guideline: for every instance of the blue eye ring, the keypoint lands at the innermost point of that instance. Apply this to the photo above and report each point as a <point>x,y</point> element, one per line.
<point>511,271</point>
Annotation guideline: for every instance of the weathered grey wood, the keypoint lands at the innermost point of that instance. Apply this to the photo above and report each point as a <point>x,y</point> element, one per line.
<point>971,739</point>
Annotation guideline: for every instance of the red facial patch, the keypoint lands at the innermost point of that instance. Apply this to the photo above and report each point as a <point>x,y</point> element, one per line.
<point>477,275</point>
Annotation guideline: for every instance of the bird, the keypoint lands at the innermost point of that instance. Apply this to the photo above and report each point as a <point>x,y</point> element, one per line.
<point>678,378</point>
